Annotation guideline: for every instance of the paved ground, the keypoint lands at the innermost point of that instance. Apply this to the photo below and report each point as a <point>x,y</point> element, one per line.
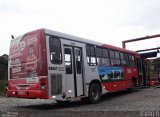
<point>143,102</point>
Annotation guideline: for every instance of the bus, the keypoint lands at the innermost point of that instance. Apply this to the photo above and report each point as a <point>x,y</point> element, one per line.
<point>47,64</point>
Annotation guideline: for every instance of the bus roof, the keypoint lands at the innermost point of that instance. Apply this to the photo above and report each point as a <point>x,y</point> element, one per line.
<point>71,37</point>
<point>83,40</point>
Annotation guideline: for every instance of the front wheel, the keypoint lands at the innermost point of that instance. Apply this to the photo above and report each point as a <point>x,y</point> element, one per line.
<point>94,94</point>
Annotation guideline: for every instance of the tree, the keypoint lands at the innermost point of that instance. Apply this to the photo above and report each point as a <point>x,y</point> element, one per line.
<point>3,67</point>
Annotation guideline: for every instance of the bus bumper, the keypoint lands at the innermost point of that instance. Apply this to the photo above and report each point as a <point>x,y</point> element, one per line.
<point>42,94</point>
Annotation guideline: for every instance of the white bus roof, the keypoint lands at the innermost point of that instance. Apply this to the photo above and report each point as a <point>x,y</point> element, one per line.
<point>71,37</point>
<point>83,40</point>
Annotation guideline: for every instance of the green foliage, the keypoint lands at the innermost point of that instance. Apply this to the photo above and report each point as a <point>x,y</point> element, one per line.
<point>3,73</point>
<point>2,88</point>
<point>3,67</point>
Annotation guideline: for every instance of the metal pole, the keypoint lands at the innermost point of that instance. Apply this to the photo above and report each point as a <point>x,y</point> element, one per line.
<point>139,39</point>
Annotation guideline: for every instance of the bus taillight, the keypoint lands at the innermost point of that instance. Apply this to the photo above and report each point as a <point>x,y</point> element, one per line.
<point>43,83</point>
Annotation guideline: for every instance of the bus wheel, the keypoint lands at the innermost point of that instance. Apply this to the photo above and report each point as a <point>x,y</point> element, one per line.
<point>132,87</point>
<point>94,94</point>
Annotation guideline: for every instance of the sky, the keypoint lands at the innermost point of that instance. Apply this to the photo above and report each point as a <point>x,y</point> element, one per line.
<point>106,21</point>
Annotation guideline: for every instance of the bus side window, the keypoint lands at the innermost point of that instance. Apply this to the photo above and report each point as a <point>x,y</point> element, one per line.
<point>68,60</point>
<point>115,58</point>
<point>123,61</point>
<point>102,56</point>
<point>132,61</point>
<point>55,50</point>
<point>127,59</point>
<point>99,55</point>
<point>78,61</point>
<point>91,57</point>
<point>105,57</point>
<point>111,53</point>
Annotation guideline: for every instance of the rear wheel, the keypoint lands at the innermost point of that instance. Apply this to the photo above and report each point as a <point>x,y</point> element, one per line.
<point>94,94</point>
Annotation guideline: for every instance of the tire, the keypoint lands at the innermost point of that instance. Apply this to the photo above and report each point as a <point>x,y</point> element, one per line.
<point>94,94</point>
<point>132,87</point>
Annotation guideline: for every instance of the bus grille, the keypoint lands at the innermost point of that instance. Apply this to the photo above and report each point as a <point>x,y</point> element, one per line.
<point>56,84</point>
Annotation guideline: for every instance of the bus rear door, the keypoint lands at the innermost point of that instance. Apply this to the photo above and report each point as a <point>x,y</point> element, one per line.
<point>73,66</point>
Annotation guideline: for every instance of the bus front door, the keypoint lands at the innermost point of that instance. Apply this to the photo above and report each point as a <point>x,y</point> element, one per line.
<point>73,67</point>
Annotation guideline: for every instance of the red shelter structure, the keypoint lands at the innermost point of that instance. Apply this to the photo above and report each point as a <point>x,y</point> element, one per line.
<point>150,68</point>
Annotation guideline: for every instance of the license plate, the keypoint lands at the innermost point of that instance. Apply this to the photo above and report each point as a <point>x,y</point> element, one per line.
<point>21,92</point>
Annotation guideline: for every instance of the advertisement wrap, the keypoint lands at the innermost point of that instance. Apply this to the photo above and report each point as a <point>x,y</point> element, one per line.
<point>24,57</point>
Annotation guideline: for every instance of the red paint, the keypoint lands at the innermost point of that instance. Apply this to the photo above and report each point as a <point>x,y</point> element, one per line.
<point>116,85</point>
<point>32,90</point>
<point>42,94</point>
<point>28,55</point>
<point>129,72</point>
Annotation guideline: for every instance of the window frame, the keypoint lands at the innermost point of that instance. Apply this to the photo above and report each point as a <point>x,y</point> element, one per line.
<point>102,57</point>
<point>132,61</point>
<point>60,50</point>
<point>89,55</point>
<point>70,61</point>
<point>78,69</point>
<point>113,57</point>
<point>124,59</point>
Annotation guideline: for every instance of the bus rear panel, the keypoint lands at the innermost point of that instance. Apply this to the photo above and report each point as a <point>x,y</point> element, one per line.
<point>28,66</point>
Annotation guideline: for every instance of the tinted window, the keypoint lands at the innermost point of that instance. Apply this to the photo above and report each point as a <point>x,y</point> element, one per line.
<point>102,56</point>
<point>78,61</point>
<point>115,59</point>
<point>55,50</point>
<point>105,53</point>
<point>88,50</point>
<point>122,55</point>
<point>91,57</point>
<point>99,52</point>
<point>116,55</point>
<point>111,54</point>
<point>125,56</point>
<point>92,51</point>
<point>132,61</point>
<point>131,57</point>
<point>68,60</point>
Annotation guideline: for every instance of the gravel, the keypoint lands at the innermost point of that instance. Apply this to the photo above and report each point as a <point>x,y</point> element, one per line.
<point>142,102</point>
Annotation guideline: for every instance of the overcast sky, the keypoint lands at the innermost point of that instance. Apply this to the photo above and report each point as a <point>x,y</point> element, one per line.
<point>107,21</point>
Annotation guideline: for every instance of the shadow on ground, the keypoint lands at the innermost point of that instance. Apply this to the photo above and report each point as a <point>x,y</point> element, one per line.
<point>77,103</point>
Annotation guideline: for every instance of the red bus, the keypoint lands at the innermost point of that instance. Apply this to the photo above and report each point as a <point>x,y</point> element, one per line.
<point>51,65</point>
